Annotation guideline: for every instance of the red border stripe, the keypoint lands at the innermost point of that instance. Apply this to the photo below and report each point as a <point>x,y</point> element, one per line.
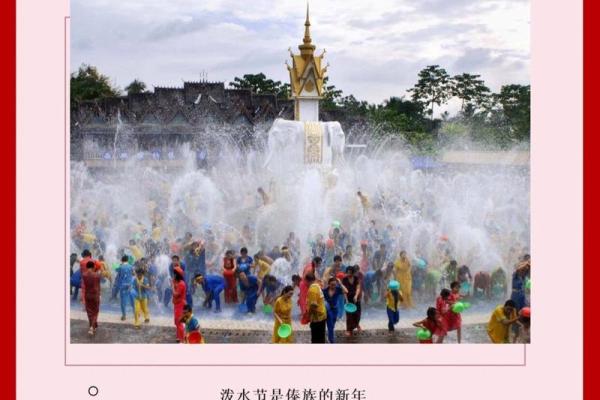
<point>8,171</point>
<point>590,210</point>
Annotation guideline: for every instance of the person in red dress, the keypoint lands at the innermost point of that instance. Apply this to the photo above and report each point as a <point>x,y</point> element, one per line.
<point>454,320</point>
<point>86,257</point>
<point>229,270</point>
<point>433,323</point>
<point>442,305</point>
<point>91,278</point>
<point>179,293</point>
<point>309,269</point>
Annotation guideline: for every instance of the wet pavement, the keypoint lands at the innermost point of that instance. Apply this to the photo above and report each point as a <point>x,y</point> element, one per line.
<point>111,332</point>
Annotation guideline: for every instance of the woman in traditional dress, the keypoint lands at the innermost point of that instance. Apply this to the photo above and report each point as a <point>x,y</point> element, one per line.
<point>352,284</point>
<point>402,269</point>
<point>282,312</point>
<point>229,270</point>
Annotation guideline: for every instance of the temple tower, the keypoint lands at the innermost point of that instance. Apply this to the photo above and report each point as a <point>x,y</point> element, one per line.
<point>306,77</point>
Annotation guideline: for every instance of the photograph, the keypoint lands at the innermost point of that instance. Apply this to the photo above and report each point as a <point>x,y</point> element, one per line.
<point>293,172</point>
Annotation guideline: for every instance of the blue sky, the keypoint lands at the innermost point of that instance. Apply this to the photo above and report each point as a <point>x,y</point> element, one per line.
<point>375,48</point>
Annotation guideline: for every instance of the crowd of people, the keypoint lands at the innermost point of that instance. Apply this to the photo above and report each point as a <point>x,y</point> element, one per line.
<point>329,280</point>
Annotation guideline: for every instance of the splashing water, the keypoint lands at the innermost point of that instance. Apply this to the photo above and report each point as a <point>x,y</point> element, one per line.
<point>484,213</point>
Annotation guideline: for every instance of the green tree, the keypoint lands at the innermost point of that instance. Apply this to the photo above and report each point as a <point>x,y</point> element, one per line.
<point>331,96</point>
<point>135,87</point>
<point>405,119</point>
<point>351,105</point>
<point>260,84</point>
<point>471,91</point>
<point>515,102</point>
<point>433,88</point>
<point>89,84</point>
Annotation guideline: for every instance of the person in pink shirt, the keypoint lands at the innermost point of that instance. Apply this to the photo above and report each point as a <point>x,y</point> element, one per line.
<point>179,293</point>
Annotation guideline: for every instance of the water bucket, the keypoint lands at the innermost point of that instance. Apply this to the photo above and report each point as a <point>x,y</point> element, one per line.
<point>336,224</point>
<point>460,306</point>
<point>350,308</point>
<point>284,331</point>
<point>465,288</point>
<point>423,334</point>
<point>242,308</point>
<point>421,263</point>
<point>394,285</point>
<point>528,284</point>
<point>268,309</point>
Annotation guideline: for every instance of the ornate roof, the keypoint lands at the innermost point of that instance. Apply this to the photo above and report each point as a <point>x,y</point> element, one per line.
<point>307,71</point>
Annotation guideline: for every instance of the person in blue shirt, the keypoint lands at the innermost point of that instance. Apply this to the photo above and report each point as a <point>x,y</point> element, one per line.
<point>195,259</point>
<point>124,279</point>
<point>75,283</point>
<point>212,285</point>
<point>369,284</point>
<point>250,287</point>
<point>332,294</point>
<point>140,291</point>
<point>270,289</point>
<point>245,263</point>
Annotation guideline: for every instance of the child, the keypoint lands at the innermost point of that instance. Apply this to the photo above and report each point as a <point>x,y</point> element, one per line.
<point>392,298</point>
<point>523,326</point>
<point>140,293</point>
<point>454,320</point>
<point>433,323</point>
<point>442,305</point>
<point>192,327</point>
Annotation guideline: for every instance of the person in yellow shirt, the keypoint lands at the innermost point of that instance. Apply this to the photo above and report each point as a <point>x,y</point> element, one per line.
<point>282,312</point>
<point>317,313</point>
<point>500,322</point>
<point>393,297</point>
<point>402,270</point>
<point>156,232</point>
<point>263,268</point>
<point>135,250</point>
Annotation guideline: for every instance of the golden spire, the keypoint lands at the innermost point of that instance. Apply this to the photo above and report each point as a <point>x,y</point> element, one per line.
<point>307,48</point>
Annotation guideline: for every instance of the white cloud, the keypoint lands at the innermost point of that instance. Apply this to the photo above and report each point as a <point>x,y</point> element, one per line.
<point>375,48</point>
